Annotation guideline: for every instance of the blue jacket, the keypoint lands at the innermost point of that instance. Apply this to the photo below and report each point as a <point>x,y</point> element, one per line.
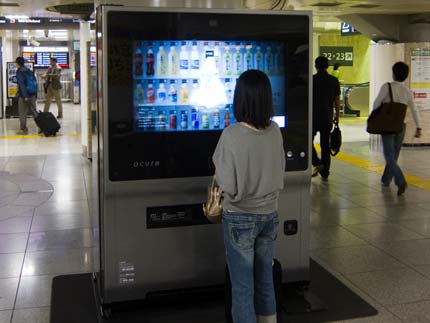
<point>20,78</point>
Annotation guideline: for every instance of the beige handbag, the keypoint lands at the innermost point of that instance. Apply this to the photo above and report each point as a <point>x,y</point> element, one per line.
<point>213,208</point>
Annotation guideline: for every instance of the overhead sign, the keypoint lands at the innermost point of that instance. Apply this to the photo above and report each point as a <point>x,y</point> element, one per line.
<point>347,30</point>
<point>338,54</point>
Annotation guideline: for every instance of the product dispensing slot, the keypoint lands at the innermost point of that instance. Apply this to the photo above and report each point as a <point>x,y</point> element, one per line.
<point>175,216</point>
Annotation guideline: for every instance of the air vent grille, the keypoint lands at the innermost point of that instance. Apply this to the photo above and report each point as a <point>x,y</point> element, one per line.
<point>366,6</point>
<point>327,4</point>
<point>8,4</point>
<point>75,9</point>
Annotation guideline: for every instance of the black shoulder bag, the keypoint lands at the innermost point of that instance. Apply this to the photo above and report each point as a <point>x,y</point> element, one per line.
<point>388,118</point>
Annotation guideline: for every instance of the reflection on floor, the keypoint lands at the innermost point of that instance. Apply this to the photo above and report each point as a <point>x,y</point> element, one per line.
<point>375,242</point>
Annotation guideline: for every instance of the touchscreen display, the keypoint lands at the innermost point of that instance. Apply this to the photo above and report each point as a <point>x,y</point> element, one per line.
<point>189,85</point>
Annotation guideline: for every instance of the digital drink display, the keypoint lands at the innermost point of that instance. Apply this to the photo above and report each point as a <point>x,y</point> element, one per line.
<point>189,85</point>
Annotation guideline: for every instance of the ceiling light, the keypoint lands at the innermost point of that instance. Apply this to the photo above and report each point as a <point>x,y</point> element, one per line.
<point>17,17</point>
<point>58,33</point>
<point>34,42</point>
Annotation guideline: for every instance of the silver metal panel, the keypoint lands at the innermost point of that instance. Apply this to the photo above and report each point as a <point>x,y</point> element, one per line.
<point>180,257</point>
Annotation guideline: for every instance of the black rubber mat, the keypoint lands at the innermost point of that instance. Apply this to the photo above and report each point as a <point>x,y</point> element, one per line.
<point>73,301</point>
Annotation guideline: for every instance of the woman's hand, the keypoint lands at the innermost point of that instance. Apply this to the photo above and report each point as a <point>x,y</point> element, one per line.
<point>418,133</point>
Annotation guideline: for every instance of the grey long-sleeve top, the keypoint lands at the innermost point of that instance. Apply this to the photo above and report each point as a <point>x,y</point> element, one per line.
<point>250,168</point>
<point>401,94</point>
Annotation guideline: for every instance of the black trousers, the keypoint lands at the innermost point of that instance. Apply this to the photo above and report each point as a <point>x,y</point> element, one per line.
<point>324,131</point>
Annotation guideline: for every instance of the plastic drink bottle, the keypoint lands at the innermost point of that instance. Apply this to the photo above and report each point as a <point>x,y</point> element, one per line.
<point>184,92</point>
<point>138,62</point>
<point>150,93</point>
<point>184,61</point>
<point>161,120</point>
<point>268,60</point>
<point>161,93</point>
<point>149,60</point>
<point>227,117</point>
<point>194,95</point>
<point>237,61</point>
<point>194,119</point>
<point>150,120</point>
<point>216,57</point>
<point>173,61</point>
<point>205,120</point>
<point>259,59</point>
<point>228,90</point>
<point>248,58</point>
<point>227,60</point>
<point>172,120</point>
<point>139,94</point>
<point>216,119</point>
<point>195,60</point>
<point>161,61</point>
<point>173,92</point>
<point>184,119</point>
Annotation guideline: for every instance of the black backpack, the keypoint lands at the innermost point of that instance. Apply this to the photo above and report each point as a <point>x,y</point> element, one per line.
<point>335,140</point>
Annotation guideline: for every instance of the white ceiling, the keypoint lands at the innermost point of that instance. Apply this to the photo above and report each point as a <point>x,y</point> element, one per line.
<point>36,8</point>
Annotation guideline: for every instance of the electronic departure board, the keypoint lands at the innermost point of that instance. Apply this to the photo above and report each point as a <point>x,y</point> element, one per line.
<point>42,59</point>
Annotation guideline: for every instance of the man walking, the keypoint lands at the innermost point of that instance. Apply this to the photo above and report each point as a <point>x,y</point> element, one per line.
<point>53,87</point>
<point>326,92</point>
<point>26,100</point>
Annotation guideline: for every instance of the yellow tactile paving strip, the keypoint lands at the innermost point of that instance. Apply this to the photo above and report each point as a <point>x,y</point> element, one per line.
<point>363,163</point>
<point>37,136</point>
<point>377,168</point>
<point>352,120</point>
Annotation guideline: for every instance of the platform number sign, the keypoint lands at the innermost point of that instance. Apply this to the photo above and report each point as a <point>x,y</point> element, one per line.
<point>342,55</point>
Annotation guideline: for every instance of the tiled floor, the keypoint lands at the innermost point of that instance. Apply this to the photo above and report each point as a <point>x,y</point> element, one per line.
<point>377,243</point>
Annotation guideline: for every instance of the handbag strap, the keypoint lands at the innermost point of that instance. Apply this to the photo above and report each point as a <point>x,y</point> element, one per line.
<point>391,92</point>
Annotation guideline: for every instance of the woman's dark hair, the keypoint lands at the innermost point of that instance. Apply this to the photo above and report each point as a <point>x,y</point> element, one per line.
<point>336,66</point>
<point>20,61</point>
<point>321,63</point>
<point>53,59</point>
<point>400,71</point>
<point>252,101</point>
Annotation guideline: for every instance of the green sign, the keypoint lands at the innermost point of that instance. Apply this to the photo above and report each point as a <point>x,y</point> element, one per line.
<point>342,55</point>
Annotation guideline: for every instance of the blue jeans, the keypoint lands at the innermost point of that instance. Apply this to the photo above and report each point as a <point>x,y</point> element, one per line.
<point>249,242</point>
<point>392,144</point>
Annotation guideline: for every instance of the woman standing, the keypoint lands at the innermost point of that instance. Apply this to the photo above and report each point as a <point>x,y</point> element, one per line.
<point>250,163</point>
<point>392,143</point>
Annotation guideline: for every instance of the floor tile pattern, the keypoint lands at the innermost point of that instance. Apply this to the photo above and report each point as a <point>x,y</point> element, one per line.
<point>376,242</point>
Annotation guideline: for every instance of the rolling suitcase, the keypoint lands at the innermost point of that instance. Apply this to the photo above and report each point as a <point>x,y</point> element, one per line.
<point>47,123</point>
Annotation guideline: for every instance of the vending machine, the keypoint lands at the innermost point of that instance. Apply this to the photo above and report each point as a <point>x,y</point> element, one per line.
<point>166,79</point>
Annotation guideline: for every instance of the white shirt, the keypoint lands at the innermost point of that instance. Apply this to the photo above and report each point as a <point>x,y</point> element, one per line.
<point>401,94</point>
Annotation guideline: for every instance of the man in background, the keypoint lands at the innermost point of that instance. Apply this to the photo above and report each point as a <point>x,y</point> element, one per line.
<point>336,71</point>
<point>326,92</point>
<point>26,100</point>
<point>53,87</point>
